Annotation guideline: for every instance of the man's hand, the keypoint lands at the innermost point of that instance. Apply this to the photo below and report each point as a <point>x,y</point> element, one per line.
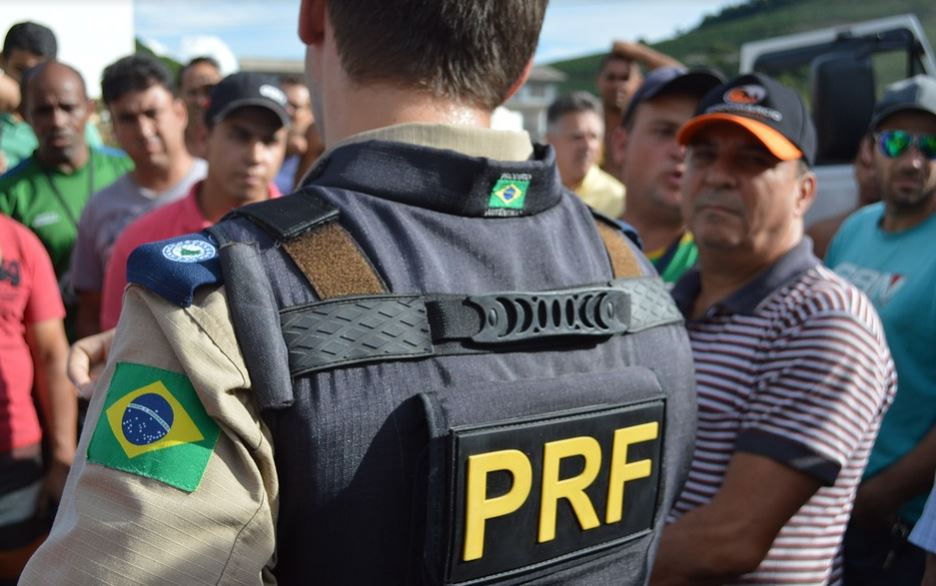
<point>86,359</point>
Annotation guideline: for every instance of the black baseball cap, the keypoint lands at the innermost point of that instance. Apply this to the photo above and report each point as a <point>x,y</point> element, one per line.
<point>774,113</point>
<point>671,79</point>
<point>916,93</point>
<point>246,89</point>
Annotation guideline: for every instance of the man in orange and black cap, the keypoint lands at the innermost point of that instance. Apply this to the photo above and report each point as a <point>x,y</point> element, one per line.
<point>792,371</point>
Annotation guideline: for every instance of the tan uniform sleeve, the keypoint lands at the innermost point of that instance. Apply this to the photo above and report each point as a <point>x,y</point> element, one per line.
<point>115,527</point>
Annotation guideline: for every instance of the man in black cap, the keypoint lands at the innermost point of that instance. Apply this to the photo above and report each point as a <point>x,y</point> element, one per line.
<point>792,369</point>
<point>247,128</point>
<point>650,162</point>
<point>885,249</point>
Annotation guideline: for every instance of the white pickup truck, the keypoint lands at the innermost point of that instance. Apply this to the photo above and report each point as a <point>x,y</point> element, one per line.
<point>841,71</point>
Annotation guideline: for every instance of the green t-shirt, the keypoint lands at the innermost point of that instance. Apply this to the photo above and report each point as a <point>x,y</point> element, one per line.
<point>50,204</point>
<point>17,140</point>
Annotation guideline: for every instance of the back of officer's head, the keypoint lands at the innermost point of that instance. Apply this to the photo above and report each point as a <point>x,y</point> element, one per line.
<point>469,51</point>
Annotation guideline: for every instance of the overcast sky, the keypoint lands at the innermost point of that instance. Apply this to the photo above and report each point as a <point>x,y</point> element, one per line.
<point>252,28</point>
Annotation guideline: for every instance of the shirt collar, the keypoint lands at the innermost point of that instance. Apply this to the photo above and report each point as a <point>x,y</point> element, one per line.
<point>745,300</point>
<point>502,174</point>
<point>501,145</point>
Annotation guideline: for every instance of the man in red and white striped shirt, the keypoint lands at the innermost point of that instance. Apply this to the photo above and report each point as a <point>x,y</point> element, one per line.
<point>793,372</point>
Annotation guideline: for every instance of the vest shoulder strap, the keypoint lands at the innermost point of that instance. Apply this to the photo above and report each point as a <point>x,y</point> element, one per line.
<point>624,262</point>
<point>287,217</point>
<point>307,227</point>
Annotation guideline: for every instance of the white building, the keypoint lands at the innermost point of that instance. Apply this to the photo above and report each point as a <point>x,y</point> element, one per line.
<point>534,98</point>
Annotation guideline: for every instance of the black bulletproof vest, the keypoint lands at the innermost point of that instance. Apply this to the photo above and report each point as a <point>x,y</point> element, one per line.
<point>391,470</point>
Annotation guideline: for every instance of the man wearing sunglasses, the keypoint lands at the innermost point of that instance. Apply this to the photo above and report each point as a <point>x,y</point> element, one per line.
<point>886,250</point>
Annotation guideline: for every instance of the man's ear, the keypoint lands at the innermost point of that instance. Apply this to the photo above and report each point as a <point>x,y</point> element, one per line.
<point>807,193</point>
<point>180,110</point>
<point>90,109</point>
<point>312,21</point>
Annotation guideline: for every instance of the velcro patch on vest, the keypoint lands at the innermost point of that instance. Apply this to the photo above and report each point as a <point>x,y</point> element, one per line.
<point>175,268</point>
<point>531,493</point>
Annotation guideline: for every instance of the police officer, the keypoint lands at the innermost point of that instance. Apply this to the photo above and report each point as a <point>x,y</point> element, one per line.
<point>432,364</point>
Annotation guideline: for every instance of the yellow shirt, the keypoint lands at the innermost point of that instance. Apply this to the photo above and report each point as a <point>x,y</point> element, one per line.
<point>602,192</point>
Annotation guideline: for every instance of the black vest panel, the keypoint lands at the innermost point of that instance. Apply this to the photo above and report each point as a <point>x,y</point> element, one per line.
<point>362,452</point>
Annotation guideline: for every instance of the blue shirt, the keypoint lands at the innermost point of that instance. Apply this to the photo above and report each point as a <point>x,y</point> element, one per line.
<point>897,270</point>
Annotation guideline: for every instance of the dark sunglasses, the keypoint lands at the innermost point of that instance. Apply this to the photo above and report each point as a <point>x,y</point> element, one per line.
<point>894,143</point>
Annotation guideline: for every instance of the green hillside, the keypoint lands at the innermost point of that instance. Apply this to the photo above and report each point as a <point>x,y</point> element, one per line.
<point>717,40</point>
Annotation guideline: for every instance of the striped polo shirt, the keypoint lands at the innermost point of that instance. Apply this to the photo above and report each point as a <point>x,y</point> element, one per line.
<point>793,367</point>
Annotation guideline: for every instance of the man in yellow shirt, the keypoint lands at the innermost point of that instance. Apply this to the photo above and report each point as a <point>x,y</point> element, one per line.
<point>576,130</point>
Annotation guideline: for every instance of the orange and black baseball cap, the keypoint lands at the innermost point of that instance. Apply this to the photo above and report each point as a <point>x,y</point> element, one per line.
<point>774,113</point>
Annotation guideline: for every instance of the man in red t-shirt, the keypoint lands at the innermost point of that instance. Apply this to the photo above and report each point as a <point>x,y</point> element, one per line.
<point>31,325</point>
<point>247,130</point>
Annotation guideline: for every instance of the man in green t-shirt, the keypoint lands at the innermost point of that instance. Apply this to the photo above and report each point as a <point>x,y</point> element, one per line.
<point>47,191</point>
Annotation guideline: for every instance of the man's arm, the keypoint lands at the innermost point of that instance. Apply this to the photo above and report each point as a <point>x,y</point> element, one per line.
<point>731,535</point>
<point>88,316</point>
<point>49,349</point>
<point>833,366</point>
<point>143,514</point>
<point>879,497</point>
<point>640,53</point>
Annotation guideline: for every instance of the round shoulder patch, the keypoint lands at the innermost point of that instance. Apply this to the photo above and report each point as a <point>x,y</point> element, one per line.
<point>189,251</point>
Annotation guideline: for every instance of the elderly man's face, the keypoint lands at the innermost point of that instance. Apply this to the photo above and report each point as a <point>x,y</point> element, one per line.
<point>738,197</point>
<point>577,139</point>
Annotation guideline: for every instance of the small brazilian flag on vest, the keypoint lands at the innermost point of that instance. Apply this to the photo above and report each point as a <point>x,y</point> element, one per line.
<point>509,194</point>
<point>154,425</point>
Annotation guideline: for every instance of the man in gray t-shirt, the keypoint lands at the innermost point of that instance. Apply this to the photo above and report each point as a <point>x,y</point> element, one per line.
<point>149,123</point>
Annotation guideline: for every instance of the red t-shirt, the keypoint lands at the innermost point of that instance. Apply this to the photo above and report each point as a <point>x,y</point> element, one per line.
<point>178,218</point>
<point>29,294</point>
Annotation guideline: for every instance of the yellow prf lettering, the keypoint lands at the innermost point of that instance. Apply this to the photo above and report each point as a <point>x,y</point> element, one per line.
<point>571,489</point>
<point>623,471</point>
<point>479,508</point>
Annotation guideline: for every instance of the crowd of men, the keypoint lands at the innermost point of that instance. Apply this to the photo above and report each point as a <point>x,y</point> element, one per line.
<point>369,380</point>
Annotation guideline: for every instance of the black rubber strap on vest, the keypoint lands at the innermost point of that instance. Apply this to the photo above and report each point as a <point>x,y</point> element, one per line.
<point>342,332</point>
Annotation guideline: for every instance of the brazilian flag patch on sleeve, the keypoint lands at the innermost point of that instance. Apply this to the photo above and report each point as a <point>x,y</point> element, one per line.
<point>154,425</point>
